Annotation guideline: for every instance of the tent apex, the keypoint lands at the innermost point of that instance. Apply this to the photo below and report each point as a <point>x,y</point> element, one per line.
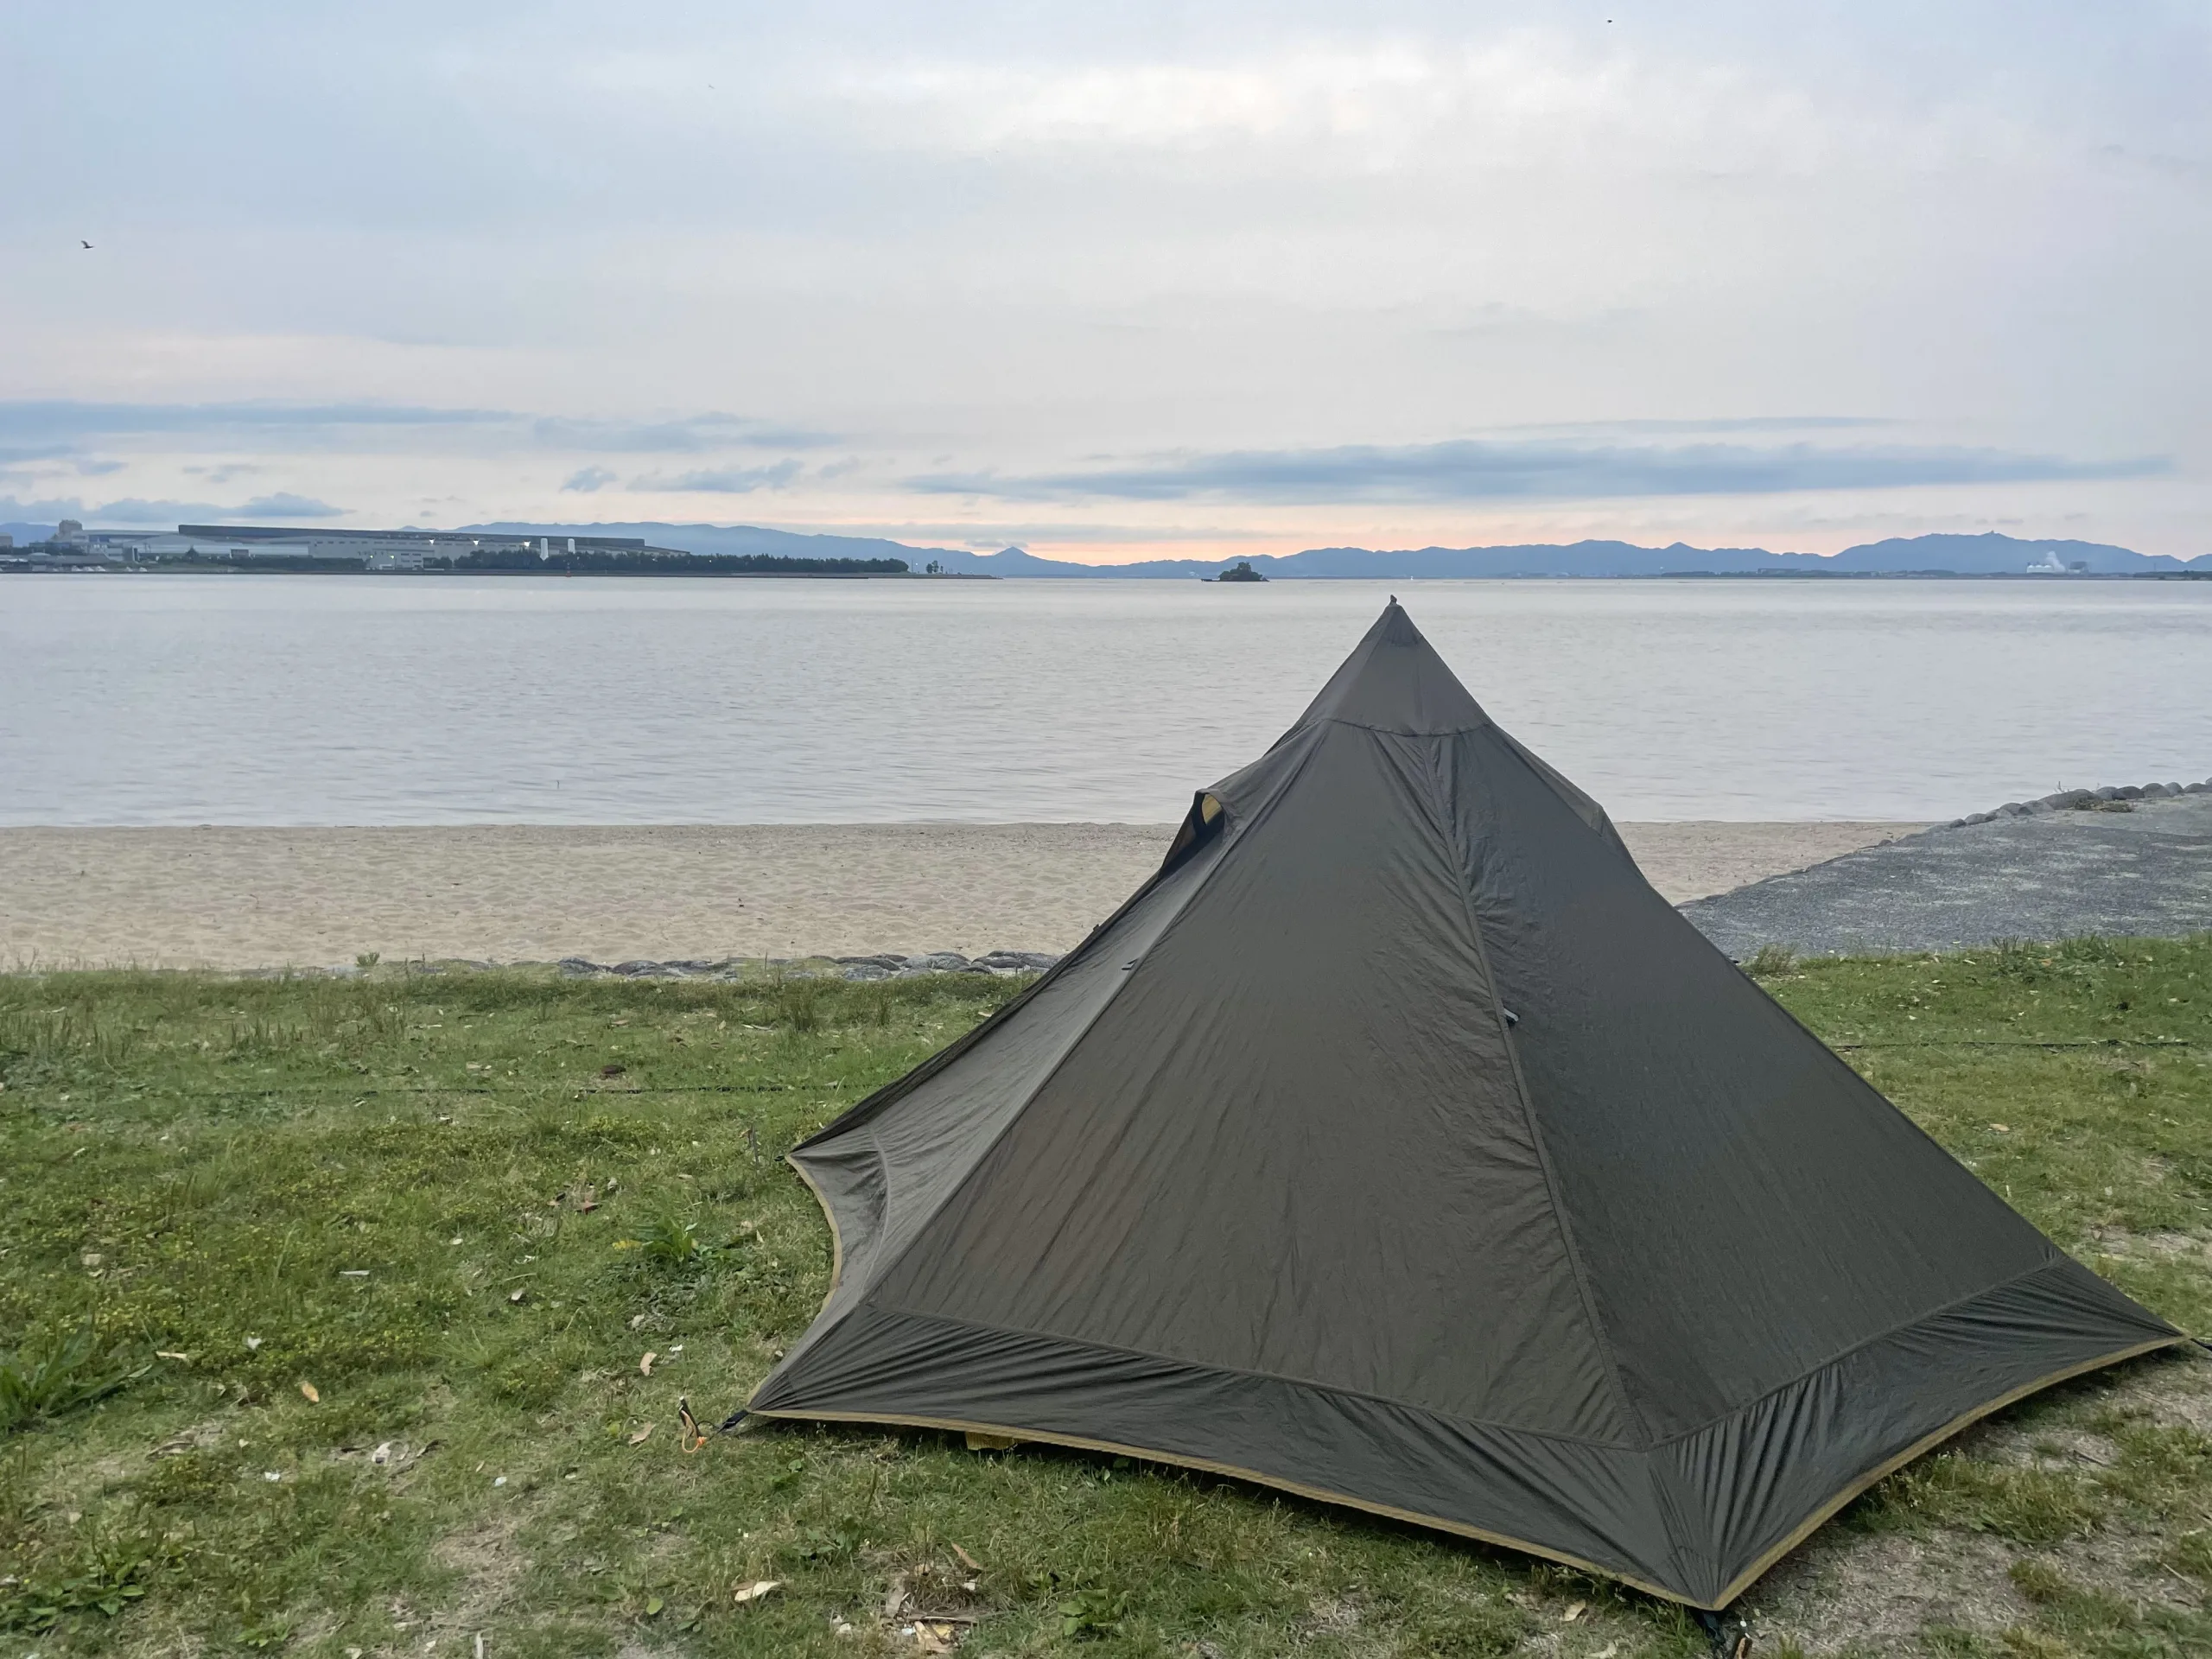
<point>1394,680</point>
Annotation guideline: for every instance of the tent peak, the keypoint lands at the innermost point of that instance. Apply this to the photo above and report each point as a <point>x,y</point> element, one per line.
<point>1394,680</point>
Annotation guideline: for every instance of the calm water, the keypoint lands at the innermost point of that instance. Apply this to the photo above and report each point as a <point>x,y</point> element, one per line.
<point>178,700</point>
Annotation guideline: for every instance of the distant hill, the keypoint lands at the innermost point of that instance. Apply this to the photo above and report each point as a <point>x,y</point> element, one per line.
<point>1994,554</point>
<point>1988,555</point>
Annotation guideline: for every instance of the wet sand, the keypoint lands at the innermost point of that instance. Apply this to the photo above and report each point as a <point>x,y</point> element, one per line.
<point>262,898</point>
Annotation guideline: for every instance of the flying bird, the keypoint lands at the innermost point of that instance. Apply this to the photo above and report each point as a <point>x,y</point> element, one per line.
<point>85,243</point>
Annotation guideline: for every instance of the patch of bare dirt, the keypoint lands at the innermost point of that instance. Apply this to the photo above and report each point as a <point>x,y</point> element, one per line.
<point>1330,1616</point>
<point>1857,1593</point>
<point>2171,1387</point>
<point>2168,1246</point>
<point>490,1566</point>
<point>2177,1394</point>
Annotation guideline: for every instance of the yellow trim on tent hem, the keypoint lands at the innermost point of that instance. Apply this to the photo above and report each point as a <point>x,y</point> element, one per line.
<point>836,1267</point>
<point>1921,1447</point>
<point>1743,1581</point>
<point>836,1237</point>
<point>1319,1494</point>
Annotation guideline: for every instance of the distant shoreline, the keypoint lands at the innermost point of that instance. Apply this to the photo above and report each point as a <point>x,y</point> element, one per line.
<point>1107,574</point>
<point>657,548</point>
<point>93,568</point>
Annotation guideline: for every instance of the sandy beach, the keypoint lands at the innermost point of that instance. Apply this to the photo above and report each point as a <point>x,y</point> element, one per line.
<point>259,897</point>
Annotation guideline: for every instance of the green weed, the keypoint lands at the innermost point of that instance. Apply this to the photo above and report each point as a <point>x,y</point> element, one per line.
<point>57,1372</point>
<point>669,1240</point>
<point>1095,1613</point>
<point>1770,961</point>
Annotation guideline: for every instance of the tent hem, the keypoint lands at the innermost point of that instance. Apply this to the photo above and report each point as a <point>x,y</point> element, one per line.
<point>2060,1258</point>
<point>1825,1510</point>
<point>1179,1461</point>
<point>1822,1511</point>
<point>1481,1425</point>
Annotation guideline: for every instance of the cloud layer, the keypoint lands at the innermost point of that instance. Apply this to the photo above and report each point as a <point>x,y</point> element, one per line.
<point>1395,272</point>
<point>134,513</point>
<point>1467,470</point>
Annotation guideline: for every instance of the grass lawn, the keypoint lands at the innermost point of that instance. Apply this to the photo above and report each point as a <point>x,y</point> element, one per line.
<point>353,1316</point>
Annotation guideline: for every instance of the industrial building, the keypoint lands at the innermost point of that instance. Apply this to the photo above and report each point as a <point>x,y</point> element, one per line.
<point>73,546</point>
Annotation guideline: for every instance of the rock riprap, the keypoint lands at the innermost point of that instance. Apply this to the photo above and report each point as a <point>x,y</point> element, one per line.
<point>2132,863</point>
<point>1001,963</point>
<point>2111,798</point>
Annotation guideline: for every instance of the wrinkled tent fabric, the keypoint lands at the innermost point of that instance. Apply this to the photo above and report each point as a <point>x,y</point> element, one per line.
<point>1397,1145</point>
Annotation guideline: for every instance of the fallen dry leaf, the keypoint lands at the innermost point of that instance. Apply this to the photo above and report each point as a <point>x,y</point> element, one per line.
<point>1607,1651</point>
<point>516,1295</point>
<point>308,1389</point>
<point>642,1435</point>
<point>1574,1612</point>
<point>646,1366</point>
<point>163,1353</point>
<point>981,1442</point>
<point>966,1559</point>
<point>2002,1129</point>
<point>757,1589</point>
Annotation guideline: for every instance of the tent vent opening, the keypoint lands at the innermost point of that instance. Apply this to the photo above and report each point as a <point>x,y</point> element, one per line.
<point>1205,820</point>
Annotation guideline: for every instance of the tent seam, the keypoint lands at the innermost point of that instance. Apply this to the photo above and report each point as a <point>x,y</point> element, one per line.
<point>1459,845</point>
<point>2059,1259</point>
<point>1663,1497</point>
<point>950,1322</point>
<point>1485,724</point>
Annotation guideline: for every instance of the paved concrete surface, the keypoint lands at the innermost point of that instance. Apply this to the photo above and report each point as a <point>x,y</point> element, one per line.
<point>2055,875</point>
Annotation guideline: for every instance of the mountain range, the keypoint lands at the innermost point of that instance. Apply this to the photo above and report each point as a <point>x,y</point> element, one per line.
<point>1990,554</point>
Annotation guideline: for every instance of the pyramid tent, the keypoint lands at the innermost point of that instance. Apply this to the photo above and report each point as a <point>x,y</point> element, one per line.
<point>1397,1145</point>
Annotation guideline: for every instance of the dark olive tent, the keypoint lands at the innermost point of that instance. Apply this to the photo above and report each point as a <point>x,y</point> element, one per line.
<point>1397,1145</point>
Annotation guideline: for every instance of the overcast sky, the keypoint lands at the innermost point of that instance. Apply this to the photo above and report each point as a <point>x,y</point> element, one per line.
<point>1114,282</point>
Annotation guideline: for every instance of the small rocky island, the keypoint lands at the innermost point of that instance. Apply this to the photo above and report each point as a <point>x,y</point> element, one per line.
<point>1241,571</point>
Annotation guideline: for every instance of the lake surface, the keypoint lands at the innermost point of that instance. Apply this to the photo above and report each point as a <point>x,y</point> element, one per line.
<point>272,699</point>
